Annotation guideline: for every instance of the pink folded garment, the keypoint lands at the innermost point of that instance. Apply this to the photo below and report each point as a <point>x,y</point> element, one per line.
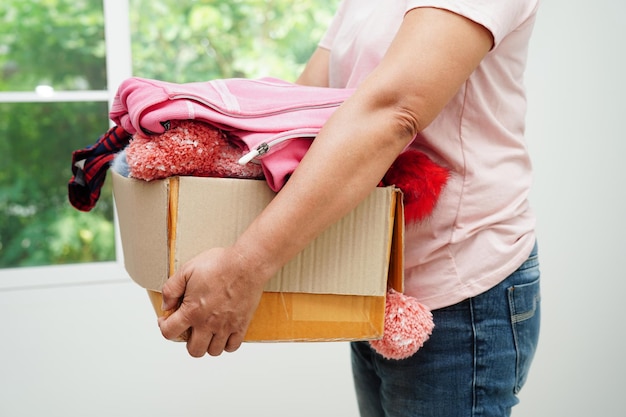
<point>261,114</point>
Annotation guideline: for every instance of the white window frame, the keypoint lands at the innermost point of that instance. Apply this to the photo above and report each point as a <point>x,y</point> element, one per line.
<point>119,67</point>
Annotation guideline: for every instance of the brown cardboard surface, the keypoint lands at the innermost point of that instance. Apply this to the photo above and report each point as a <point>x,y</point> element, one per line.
<point>334,290</point>
<point>293,317</point>
<point>142,209</point>
<point>317,317</point>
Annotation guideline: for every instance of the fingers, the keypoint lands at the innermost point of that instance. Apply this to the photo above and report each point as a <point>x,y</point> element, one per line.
<point>217,345</point>
<point>199,341</point>
<point>173,327</point>
<point>234,342</point>
<point>220,344</point>
<point>173,290</point>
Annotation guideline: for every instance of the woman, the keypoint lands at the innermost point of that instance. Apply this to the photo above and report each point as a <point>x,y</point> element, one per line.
<point>446,78</point>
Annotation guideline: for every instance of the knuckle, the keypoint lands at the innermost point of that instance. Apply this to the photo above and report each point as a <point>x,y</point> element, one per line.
<point>193,353</point>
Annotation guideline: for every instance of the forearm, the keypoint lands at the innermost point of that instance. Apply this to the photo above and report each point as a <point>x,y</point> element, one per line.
<point>315,72</point>
<point>346,161</point>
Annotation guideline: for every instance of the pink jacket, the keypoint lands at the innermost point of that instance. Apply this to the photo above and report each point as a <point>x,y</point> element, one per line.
<point>262,113</point>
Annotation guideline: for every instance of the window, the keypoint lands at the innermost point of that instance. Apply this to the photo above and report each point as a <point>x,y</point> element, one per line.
<point>60,64</point>
<point>53,100</point>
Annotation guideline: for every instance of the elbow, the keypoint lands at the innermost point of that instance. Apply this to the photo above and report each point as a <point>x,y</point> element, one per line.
<point>407,121</point>
<point>406,113</point>
<point>399,115</point>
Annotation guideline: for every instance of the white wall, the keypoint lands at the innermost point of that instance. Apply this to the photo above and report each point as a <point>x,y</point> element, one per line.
<point>578,141</point>
<point>94,350</point>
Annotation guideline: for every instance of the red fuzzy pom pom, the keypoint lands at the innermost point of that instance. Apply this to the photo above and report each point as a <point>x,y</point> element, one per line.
<point>408,324</point>
<point>421,181</point>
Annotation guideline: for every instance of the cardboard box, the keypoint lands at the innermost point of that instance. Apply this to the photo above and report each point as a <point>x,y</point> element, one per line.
<point>333,290</point>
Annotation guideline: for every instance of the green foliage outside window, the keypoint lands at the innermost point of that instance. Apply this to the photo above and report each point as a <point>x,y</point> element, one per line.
<point>188,40</point>
<point>61,43</point>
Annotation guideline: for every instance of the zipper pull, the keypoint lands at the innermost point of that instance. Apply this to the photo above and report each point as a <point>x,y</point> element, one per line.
<point>260,150</point>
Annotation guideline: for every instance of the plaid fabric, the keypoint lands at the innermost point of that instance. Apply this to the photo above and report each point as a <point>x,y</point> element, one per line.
<point>89,167</point>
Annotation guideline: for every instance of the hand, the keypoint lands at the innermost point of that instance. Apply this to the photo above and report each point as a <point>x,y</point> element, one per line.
<point>217,301</point>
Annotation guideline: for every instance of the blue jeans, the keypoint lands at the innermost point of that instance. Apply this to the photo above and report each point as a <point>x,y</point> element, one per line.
<point>474,363</point>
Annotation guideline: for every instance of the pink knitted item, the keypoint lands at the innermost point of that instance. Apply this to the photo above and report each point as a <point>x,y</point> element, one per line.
<point>189,147</point>
<point>408,324</point>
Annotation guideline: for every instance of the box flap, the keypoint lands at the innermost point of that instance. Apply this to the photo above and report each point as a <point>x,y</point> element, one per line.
<point>395,279</point>
<point>142,214</point>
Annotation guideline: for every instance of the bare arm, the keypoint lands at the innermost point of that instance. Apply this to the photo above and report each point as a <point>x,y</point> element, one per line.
<point>433,53</point>
<point>315,72</point>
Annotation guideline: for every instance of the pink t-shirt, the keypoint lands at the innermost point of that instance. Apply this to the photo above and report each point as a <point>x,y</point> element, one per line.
<point>482,228</point>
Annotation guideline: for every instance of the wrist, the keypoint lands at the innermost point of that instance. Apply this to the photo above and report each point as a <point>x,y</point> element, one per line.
<point>254,262</point>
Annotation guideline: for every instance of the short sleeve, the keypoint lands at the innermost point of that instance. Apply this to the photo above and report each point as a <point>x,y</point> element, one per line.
<point>499,17</point>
